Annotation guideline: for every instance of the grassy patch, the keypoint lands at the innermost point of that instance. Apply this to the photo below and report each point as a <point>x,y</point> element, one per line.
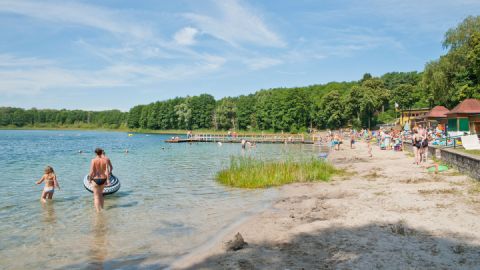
<point>380,193</point>
<point>373,174</point>
<point>471,152</point>
<point>438,191</point>
<point>415,180</point>
<point>452,172</point>
<point>474,188</point>
<point>247,172</point>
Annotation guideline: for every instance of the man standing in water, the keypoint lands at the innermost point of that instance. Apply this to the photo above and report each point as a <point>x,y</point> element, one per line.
<point>99,173</point>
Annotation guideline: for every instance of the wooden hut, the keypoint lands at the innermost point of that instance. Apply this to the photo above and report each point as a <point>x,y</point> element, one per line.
<point>437,117</point>
<point>464,118</point>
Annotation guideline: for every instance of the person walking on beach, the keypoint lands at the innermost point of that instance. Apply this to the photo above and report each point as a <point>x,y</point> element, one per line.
<point>99,173</point>
<point>369,146</point>
<point>417,145</point>
<point>352,139</point>
<point>50,183</point>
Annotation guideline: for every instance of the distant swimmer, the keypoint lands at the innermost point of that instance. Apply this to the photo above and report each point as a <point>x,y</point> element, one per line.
<point>243,143</point>
<point>80,151</point>
<point>126,151</point>
<point>50,183</point>
<point>219,143</point>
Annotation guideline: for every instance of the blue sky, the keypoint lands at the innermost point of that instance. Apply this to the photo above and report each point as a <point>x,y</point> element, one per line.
<point>116,54</point>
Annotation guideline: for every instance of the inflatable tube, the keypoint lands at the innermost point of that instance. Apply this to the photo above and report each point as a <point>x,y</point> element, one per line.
<point>112,188</point>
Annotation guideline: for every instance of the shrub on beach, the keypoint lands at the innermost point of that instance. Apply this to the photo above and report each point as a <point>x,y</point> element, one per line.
<point>247,172</point>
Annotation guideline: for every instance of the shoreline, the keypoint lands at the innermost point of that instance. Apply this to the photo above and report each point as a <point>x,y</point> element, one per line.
<point>387,214</point>
<point>221,235</point>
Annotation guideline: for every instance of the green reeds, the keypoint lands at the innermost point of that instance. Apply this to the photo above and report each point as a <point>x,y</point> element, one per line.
<point>247,172</point>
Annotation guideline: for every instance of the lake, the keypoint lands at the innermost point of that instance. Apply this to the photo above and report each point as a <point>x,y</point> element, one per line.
<point>169,203</point>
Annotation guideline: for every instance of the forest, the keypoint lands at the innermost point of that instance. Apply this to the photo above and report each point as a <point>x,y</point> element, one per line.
<point>363,103</point>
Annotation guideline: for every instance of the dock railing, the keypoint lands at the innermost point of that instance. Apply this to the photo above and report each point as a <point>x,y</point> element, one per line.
<point>250,137</point>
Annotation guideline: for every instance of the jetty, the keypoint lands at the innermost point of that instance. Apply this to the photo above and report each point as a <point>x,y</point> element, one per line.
<point>238,138</point>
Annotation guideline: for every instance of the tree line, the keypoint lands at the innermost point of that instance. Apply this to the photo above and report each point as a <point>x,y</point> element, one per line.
<point>17,117</point>
<point>364,103</point>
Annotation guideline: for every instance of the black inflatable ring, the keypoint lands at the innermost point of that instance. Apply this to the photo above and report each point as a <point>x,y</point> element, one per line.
<point>112,188</point>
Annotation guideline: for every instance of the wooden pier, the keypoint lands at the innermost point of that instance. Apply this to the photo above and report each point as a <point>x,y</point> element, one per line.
<point>238,138</point>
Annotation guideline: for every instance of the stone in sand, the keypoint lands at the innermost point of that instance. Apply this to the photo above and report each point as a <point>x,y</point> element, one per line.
<point>237,243</point>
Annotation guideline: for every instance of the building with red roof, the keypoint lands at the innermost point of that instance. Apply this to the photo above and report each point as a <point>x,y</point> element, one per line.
<point>437,117</point>
<point>465,117</point>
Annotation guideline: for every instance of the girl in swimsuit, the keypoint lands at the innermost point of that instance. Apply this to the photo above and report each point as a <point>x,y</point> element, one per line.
<point>50,183</point>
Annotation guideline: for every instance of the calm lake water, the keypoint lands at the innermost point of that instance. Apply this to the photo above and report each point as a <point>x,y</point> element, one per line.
<point>169,203</point>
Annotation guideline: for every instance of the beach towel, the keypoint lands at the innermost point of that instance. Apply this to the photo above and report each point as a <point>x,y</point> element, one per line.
<point>470,142</point>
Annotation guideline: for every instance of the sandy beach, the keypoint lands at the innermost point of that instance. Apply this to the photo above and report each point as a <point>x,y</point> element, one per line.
<point>386,213</point>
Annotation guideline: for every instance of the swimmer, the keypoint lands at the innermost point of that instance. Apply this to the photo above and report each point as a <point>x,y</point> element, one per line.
<point>50,183</point>
<point>219,143</point>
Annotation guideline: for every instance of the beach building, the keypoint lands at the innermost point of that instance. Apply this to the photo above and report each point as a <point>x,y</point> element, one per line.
<point>437,117</point>
<point>464,118</point>
<point>413,116</point>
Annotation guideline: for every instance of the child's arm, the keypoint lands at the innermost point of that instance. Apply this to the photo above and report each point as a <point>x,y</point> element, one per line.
<point>55,182</point>
<point>41,180</point>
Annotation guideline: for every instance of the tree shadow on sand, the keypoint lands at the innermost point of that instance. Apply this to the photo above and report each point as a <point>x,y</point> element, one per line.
<point>374,246</point>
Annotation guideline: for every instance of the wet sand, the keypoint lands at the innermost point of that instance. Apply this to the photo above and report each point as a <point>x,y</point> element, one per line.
<point>387,213</point>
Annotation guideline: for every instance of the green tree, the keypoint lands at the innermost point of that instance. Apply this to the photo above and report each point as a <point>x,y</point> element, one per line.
<point>332,111</point>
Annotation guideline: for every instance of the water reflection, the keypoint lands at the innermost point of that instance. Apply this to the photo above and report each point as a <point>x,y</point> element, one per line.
<point>49,216</point>
<point>98,246</point>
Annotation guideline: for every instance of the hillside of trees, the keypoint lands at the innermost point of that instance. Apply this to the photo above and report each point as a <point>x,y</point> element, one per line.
<point>16,117</point>
<point>364,103</point>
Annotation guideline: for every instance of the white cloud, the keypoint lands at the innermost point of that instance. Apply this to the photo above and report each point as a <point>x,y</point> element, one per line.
<point>10,61</point>
<point>258,63</point>
<point>186,36</point>
<point>235,23</point>
<point>77,14</point>
<point>24,76</point>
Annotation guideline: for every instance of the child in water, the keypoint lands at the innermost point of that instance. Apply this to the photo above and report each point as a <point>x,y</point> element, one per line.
<point>50,183</point>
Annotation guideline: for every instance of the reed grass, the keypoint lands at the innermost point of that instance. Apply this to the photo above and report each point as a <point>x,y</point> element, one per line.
<point>248,172</point>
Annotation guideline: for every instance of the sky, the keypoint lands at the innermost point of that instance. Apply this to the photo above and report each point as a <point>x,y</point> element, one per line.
<point>114,54</point>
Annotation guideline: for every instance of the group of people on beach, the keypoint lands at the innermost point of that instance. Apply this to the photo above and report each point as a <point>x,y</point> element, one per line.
<point>335,139</point>
<point>386,139</point>
<point>99,176</point>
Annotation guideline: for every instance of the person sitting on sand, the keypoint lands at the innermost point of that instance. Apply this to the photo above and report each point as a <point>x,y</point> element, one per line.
<point>99,173</point>
<point>50,183</point>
